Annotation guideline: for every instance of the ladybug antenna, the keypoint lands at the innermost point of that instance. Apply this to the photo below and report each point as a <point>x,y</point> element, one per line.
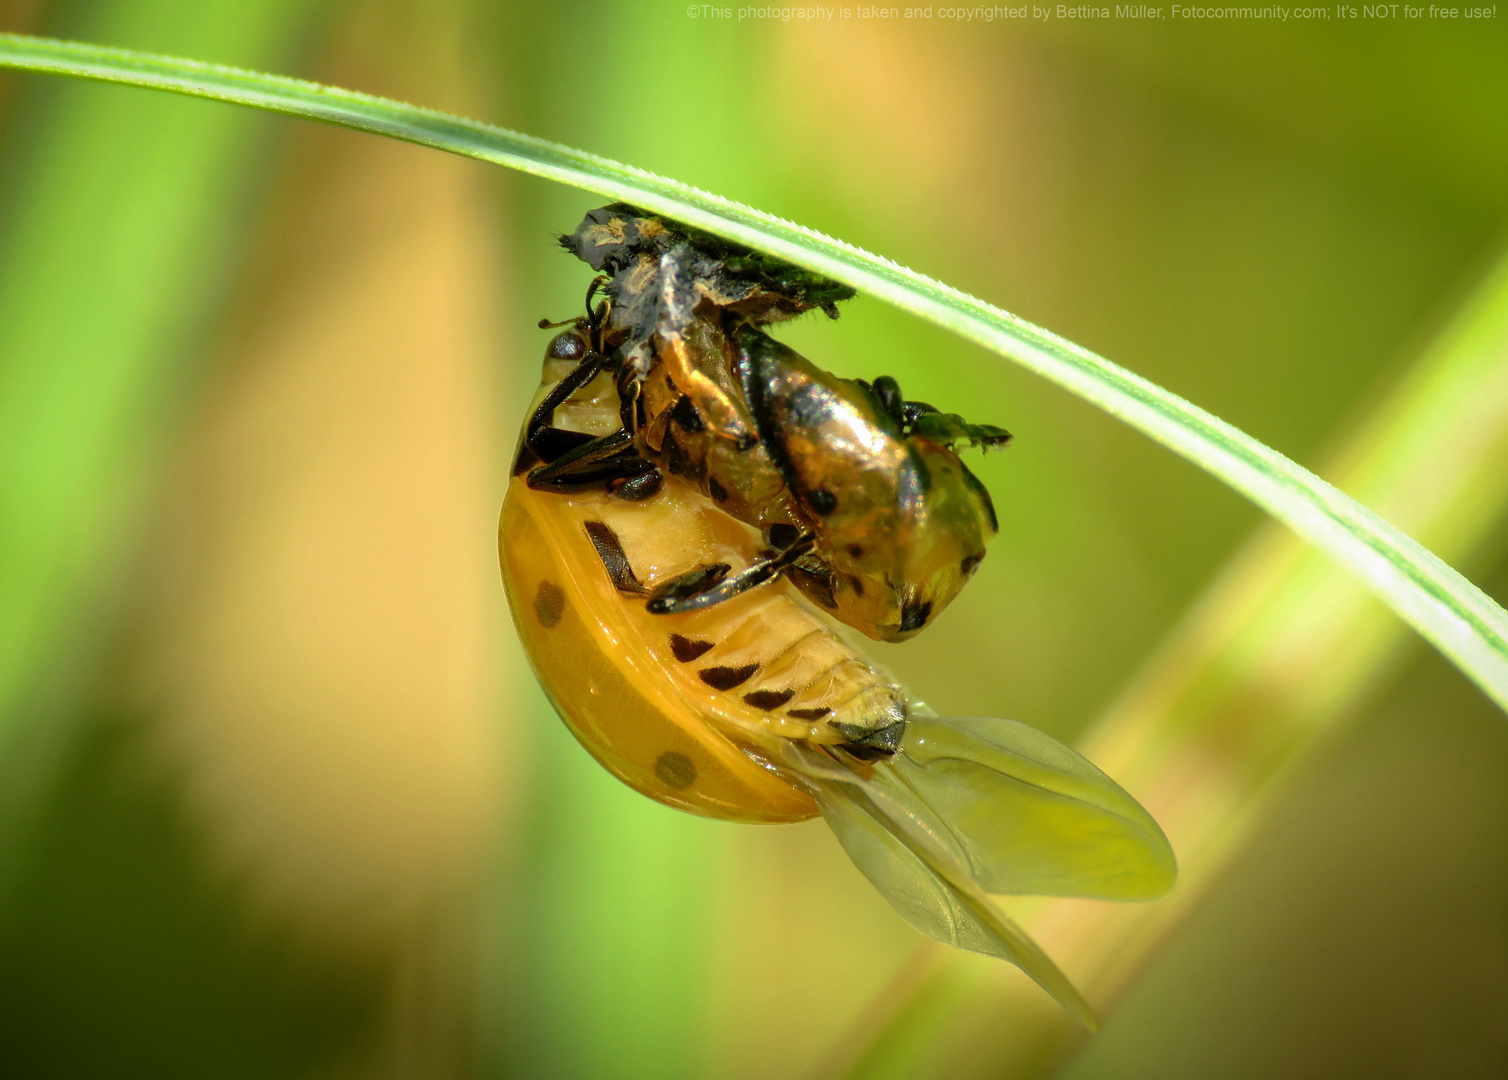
<point>595,319</point>
<point>591,292</point>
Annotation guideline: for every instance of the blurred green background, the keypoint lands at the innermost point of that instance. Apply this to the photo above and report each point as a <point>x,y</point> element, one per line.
<point>278,795</point>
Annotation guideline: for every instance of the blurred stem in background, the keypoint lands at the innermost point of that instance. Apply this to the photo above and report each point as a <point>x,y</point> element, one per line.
<point>1272,661</point>
<point>118,216</point>
<point>612,915</point>
<point>610,900</point>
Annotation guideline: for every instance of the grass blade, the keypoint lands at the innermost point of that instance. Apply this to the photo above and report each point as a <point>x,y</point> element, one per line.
<point>1465,624</point>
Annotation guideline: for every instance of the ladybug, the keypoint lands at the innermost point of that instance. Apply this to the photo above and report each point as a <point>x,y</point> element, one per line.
<point>752,709</point>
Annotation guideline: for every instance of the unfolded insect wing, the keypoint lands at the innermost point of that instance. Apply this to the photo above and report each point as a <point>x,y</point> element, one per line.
<point>920,870</point>
<point>1031,816</point>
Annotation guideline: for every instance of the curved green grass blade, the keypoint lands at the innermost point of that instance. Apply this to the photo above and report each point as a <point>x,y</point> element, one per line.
<point>1443,606</point>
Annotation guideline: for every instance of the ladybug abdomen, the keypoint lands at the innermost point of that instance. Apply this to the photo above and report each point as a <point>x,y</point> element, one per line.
<point>685,708</point>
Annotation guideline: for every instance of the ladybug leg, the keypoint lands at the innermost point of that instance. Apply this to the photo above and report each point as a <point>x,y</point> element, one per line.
<point>606,461</point>
<point>580,375</point>
<point>575,461</point>
<point>672,596</point>
<point>706,586</point>
<point>630,405</point>
<point>614,559</point>
<point>583,457</point>
<point>642,485</point>
<point>920,418</point>
<point>950,429</point>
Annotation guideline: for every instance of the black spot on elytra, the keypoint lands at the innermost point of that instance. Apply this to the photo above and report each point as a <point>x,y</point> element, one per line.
<point>915,616</point>
<point>726,678</point>
<point>676,770</point>
<point>967,566</point>
<point>549,603</point>
<point>822,501</point>
<point>675,458</point>
<point>686,415</point>
<point>768,699</point>
<point>686,650</point>
<point>808,714</point>
<point>856,550</point>
<point>783,534</point>
<point>857,583</point>
<point>716,490</point>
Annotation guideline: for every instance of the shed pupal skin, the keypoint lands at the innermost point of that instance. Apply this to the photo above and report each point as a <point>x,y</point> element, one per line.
<point>689,709</point>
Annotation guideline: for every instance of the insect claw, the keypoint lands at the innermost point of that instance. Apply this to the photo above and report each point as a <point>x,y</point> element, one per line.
<point>673,595</point>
